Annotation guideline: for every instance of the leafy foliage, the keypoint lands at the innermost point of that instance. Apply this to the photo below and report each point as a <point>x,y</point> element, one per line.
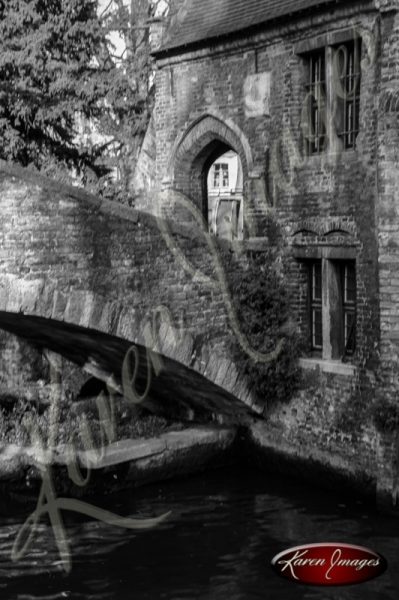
<point>263,308</point>
<point>69,104</point>
<point>53,67</point>
<point>17,413</point>
<point>385,415</point>
<point>131,94</point>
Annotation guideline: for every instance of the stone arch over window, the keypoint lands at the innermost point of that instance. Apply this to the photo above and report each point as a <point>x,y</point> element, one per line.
<point>197,148</point>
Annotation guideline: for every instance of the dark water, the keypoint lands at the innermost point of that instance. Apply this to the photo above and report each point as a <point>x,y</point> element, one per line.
<point>225,528</point>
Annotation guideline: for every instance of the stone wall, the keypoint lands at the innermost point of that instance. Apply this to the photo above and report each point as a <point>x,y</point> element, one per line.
<point>68,256</point>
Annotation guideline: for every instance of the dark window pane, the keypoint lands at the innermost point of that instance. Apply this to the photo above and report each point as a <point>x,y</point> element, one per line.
<point>314,128</point>
<point>350,284</point>
<point>349,332</point>
<point>317,289</point>
<point>316,315</point>
<point>225,173</point>
<point>346,91</point>
<point>348,279</point>
<point>317,327</point>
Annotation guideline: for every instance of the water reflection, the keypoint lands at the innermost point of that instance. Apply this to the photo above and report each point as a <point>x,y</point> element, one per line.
<point>225,528</point>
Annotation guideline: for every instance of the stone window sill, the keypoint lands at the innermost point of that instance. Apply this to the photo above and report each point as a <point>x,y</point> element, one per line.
<point>328,366</point>
<point>260,244</point>
<point>331,156</point>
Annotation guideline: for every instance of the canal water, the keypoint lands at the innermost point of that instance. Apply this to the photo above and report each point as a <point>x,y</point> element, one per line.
<point>225,527</point>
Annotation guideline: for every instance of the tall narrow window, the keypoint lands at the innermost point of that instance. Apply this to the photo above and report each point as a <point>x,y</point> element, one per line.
<point>225,175</point>
<point>346,91</point>
<point>216,176</point>
<point>348,283</point>
<point>331,308</point>
<point>316,321</point>
<point>315,122</point>
<point>221,175</point>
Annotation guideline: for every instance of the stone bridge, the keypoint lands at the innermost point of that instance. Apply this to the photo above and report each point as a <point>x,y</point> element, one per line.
<point>87,278</point>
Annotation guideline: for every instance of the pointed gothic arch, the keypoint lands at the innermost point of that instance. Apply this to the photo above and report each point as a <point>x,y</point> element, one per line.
<point>197,147</point>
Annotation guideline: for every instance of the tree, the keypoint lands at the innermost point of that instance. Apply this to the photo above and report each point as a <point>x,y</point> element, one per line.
<point>132,93</point>
<point>263,306</point>
<point>53,66</point>
<point>60,75</point>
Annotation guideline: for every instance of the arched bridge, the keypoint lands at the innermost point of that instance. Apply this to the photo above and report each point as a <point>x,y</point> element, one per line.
<point>87,278</point>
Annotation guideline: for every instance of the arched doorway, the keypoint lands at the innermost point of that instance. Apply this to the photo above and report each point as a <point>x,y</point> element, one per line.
<point>210,145</point>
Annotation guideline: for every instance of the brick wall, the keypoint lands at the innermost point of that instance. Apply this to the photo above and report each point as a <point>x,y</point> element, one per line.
<point>200,98</point>
<point>336,204</point>
<point>386,209</point>
<point>69,256</point>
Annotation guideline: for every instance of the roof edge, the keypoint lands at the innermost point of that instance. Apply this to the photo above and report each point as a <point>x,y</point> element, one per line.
<point>171,51</point>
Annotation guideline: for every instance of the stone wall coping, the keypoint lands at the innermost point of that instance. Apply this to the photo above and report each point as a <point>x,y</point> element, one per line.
<point>133,450</point>
<point>29,176</point>
<point>335,367</point>
<point>119,452</point>
<point>108,207</point>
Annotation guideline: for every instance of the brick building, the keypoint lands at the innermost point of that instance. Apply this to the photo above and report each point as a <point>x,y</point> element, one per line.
<point>304,93</point>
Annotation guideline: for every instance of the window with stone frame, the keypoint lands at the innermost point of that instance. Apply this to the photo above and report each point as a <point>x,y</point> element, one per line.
<point>331,110</point>
<point>221,175</point>
<point>332,308</point>
<point>346,91</point>
<point>314,123</point>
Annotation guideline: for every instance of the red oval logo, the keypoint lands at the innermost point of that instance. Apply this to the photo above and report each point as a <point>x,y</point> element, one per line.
<point>329,564</point>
